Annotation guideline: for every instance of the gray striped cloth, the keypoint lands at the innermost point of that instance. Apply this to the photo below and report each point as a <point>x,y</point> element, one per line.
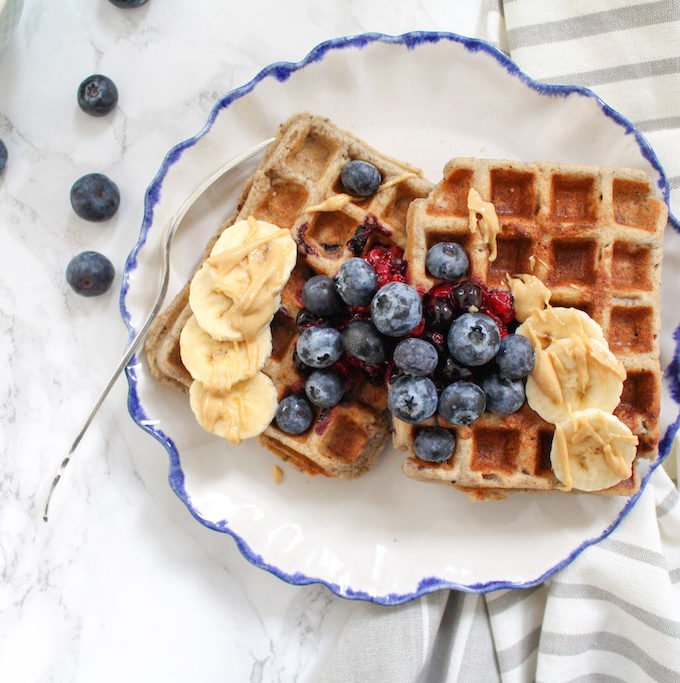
<point>614,613</point>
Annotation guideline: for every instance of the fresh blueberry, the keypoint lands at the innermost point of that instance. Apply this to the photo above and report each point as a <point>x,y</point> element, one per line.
<point>128,4</point>
<point>447,260</point>
<point>363,341</point>
<point>302,367</point>
<point>319,296</point>
<point>412,399</point>
<point>360,178</point>
<point>294,415</point>
<point>90,273</point>
<point>434,444</point>
<point>3,156</point>
<point>467,294</point>
<point>95,197</point>
<point>462,403</point>
<point>356,282</point>
<point>396,309</point>
<point>503,396</point>
<point>97,95</point>
<point>416,357</point>
<point>324,388</point>
<point>319,347</point>
<point>516,357</point>
<point>473,339</point>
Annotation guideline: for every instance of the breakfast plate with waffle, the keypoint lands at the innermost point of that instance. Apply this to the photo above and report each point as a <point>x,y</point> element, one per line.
<point>539,187</point>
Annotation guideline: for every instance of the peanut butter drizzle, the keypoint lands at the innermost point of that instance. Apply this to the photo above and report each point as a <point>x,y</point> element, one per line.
<point>396,180</point>
<point>529,294</point>
<point>488,225</point>
<point>562,455</point>
<point>228,407</point>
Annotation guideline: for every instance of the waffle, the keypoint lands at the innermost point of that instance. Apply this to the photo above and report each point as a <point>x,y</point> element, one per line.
<point>301,169</point>
<point>593,235</point>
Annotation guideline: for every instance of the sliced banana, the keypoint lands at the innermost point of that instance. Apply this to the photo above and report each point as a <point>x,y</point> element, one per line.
<point>592,450</point>
<point>219,364</point>
<point>240,413</point>
<point>559,323</point>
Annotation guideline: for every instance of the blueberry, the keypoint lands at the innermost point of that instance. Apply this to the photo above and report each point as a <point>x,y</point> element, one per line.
<point>467,294</point>
<point>439,314</point>
<point>356,282</point>
<point>449,370</point>
<point>447,260</point>
<point>363,341</point>
<point>473,339</point>
<point>416,357</point>
<point>434,444</point>
<point>90,273</point>
<point>302,367</point>
<point>3,156</point>
<point>516,357</point>
<point>319,296</point>
<point>412,399</point>
<point>396,309</point>
<point>324,388</point>
<point>319,347</point>
<point>503,396</point>
<point>462,403</point>
<point>360,178</point>
<point>294,415</point>
<point>97,95</point>
<point>128,4</point>
<point>94,197</point>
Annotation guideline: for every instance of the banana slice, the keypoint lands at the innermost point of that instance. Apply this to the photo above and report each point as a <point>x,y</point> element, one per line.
<point>240,413</point>
<point>218,364</point>
<point>592,450</point>
<point>559,323</point>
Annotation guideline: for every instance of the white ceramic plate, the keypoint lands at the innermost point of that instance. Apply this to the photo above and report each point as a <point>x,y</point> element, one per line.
<point>423,98</point>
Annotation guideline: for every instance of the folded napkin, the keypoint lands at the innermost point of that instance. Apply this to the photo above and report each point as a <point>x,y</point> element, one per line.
<point>614,613</point>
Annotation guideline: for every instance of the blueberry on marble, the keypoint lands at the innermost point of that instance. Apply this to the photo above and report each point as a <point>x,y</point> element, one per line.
<point>461,403</point>
<point>360,178</point>
<point>516,357</point>
<point>447,260</point>
<point>94,197</point>
<point>3,156</point>
<point>97,95</point>
<point>434,444</point>
<point>412,399</point>
<point>89,273</point>
<point>503,396</point>
<point>356,282</point>
<point>294,415</point>
<point>324,388</point>
<point>320,297</point>
<point>128,4</point>
<point>396,309</point>
<point>416,357</point>
<point>319,347</point>
<point>363,341</point>
<point>473,339</point>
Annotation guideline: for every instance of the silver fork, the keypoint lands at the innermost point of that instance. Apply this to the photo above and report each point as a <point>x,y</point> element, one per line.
<point>160,297</point>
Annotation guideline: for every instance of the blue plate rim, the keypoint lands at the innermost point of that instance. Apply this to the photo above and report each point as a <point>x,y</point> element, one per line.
<point>282,71</point>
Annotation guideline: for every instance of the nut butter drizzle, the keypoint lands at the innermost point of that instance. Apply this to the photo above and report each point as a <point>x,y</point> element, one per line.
<point>488,224</point>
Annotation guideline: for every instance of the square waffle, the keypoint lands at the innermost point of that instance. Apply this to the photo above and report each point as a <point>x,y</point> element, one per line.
<point>301,169</point>
<point>593,235</point>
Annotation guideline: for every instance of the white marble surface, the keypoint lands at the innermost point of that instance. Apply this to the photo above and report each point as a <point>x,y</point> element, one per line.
<point>123,584</point>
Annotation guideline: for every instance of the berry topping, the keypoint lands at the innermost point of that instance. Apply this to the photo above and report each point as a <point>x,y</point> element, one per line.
<point>499,302</point>
<point>357,243</point>
<point>356,282</point>
<point>461,403</point>
<point>450,370</point>
<point>319,347</point>
<point>97,95</point>
<point>320,297</point>
<point>412,399</point>
<point>416,357</point>
<point>474,339</point>
<point>434,444</point>
<point>516,357</point>
<point>3,156</point>
<point>467,294</point>
<point>439,307</point>
<point>324,388</point>
<point>89,273</point>
<point>503,396</point>
<point>396,309</point>
<point>307,319</point>
<point>294,415</point>
<point>502,329</point>
<point>388,263</point>
<point>94,197</point>
<point>438,340</point>
<point>302,367</point>
<point>360,178</point>
<point>362,340</point>
<point>447,260</point>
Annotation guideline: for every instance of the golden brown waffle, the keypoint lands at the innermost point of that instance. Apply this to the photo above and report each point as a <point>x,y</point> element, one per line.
<point>301,169</point>
<point>593,235</point>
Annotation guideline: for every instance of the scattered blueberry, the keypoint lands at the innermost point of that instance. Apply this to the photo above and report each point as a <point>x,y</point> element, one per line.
<point>97,95</point>
<point>360,178</point>
<point>356,282</point>
<point>362,340</point>
<point>462,403</point>
<point>516,357</point>
<point>473,339</point>
<point>90,273</point>
<point>319,347</point>
<point>319,296</point>
<point>128,4</point>
<point>439,313</point>
<point>396,309</point>
<point>416,357</point>
<point>447,260</point>
<point>467,294</point>
<point>294,415</point>
<point>412,399</point>
<point>503,396</point>
<point>324,388</point>
<point>450,370</point>
<point>434,444</point>
<point>3,156</point>
<point>94,197</point>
